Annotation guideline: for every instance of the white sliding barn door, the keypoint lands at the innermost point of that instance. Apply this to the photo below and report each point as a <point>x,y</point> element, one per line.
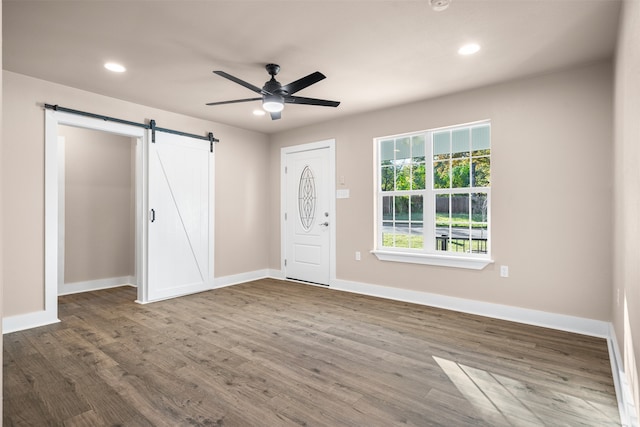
<point>180,229</point>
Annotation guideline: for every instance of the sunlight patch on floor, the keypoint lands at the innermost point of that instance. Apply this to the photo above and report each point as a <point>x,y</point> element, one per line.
<point>505,401</point>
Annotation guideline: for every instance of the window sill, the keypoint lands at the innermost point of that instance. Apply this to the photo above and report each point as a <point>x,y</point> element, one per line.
<point>433,259</point>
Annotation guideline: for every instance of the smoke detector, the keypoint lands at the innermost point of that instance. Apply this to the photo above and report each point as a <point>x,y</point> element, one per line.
<point>439,5</point>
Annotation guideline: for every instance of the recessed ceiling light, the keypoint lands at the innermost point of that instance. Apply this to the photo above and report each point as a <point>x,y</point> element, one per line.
<point>469,49</point>
<point>116,68</point>
<point>439,5</point>
<point>258,112</point>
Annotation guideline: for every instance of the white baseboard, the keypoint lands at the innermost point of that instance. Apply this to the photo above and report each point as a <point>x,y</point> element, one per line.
<point>27,321</point>
<point>545,319</point>
<point>234,279</point>
<point>275,274</point>
<point>94,285</point>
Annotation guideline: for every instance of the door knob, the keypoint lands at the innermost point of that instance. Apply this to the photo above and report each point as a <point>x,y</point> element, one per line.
<point>325,224</point>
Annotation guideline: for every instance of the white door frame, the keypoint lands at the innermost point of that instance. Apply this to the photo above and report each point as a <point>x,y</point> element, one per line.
<point>284,151</point>
<point>54,216</point>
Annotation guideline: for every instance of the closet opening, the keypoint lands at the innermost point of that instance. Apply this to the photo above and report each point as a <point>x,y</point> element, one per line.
<point>97,200</point>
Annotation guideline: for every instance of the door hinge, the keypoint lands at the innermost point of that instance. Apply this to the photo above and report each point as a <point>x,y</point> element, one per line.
<point>285,216</point>
<point>285,169</point>
<point>285,262</point>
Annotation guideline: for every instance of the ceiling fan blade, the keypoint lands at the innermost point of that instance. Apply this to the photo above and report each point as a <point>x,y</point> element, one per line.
<point>300,84</point>
<point>276,116</point>
<point>310,101</point>
<point>240,82</point>
<point>234,101</point>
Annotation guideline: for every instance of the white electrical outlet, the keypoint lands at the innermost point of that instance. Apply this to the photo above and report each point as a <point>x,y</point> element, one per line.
<point>504,271</point>
<point>357,255</point>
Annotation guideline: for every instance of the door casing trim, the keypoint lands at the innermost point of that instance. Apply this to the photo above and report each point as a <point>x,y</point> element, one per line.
<point>53,218</point>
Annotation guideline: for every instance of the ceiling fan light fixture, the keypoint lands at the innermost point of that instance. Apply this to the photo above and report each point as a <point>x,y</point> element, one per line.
<point>273,103</point>
<point>274,95</point>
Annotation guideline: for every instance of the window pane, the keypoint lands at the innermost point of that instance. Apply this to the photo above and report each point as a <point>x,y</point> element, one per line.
<point>460,243</point>
<point>386,151</point>
<point>418,177</point>
<point>441,174</point>
<point>442,242</point>
<point>460,224</point>
<point>479,207</point>
<point>416,208</point>
<point>402,235</point>
<point>403,177</point>
<point>481,172</point>
<point>479,236</point>
<point>387,234</point>
<point>460,211</point>
<point>402,149</point>
<point>442,208</point>
<point>387,239</point>
<point>402,240</point>
<point>443,222</point>
<point>417,148</point>
<point>460,173</point>
<point>480,140</point>
<point>460,143</point>
<point>386,178</point>
<point>402,208</point>
<point>416,240</point>
<point>387,208</point>
<point>441,145</point>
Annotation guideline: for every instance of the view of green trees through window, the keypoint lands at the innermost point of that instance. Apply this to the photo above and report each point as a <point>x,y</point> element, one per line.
<point>434,190</point>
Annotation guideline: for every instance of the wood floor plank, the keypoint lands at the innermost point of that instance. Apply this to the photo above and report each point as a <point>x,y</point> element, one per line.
<point>275,353</point>
<point>27,409</point>
<point>58,395</point>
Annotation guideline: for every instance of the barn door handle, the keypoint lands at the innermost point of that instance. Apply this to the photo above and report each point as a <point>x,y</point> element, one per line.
<point>153,215</point>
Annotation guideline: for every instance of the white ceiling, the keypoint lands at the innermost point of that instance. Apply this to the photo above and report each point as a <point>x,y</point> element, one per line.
<point>374,53</point>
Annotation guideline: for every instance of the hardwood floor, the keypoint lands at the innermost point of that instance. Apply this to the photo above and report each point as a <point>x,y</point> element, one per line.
<point>273,353</point>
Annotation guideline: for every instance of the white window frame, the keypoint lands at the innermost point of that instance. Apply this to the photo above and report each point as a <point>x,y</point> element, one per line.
<point>427,255</point>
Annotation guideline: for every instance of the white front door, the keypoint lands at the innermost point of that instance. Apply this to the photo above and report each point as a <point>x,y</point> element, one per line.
<point>180,233</point>
<point>308,215</point>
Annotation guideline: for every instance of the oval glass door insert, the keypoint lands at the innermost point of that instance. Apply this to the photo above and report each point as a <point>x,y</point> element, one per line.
<point>307,198</point>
